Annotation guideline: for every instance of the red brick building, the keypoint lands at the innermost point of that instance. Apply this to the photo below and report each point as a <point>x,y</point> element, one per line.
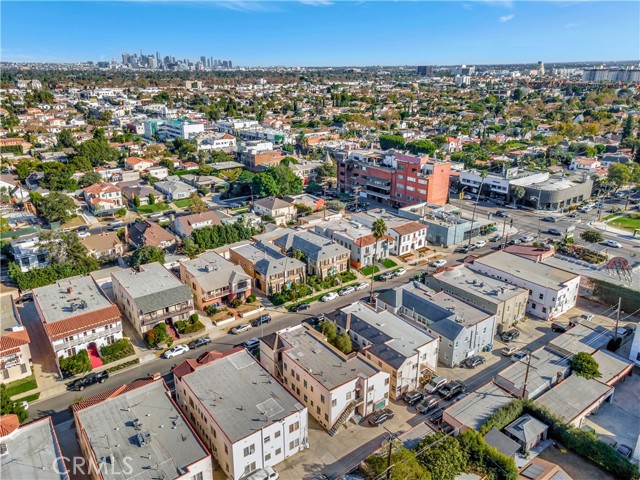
<point>394,178</point>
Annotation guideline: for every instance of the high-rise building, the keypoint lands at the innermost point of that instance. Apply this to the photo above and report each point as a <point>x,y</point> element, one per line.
<point>125,59</point>
<point>230,64</point>
<point>203,59</point>
<point>540,69</point>
<point>425,71</point>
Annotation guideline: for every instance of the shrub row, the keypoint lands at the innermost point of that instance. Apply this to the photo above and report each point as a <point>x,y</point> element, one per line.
<point>75,364</point>
<point>117,350</point>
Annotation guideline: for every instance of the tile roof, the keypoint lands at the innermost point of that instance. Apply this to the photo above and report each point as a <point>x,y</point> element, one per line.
<point>8,424</point>
<point>408,228</point>
<point>81,323</point>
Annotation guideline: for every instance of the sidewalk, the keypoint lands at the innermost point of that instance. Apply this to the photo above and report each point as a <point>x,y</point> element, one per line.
<point>607,228</point>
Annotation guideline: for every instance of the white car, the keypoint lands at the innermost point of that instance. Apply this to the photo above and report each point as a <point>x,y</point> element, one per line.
<point>361,286</point>
<point>329,296</point>
<point>243,327</point>
<point>527,238</point>
<point>611,243</point>
<point>439,263</point>
<point>346,291</point>
<point>399,272</point>
<point>84,234</point>
<point>175,351</point>
<point>480,243</point>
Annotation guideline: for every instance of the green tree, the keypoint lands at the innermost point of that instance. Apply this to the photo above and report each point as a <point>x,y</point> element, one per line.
<point>88,179</point>
<point>189,248</point>
<point>422,146</point>
<point>121,212</point>
<point>57,176</point>
<point>619,174</point>
<point>4,225</point>
<point>65,139</point>
<point>343,343</point>
<point>378,230</point>
<point>97,151</point>
<point>585,365</point>
<point>391,141</point>
<point>152,199</point>
<point>404,465</point>
<point>8,406</point>
<point>328,329</point>
<point>265,185</point>
<point>147,254</point>
<point>136,201</point>
<point>197,204</point>
<point>591,236</point>
<point>66,248</point>
<point>517,193</point>
<point>36,198</point>
<point>627,129</point>
<point>289,183</point>
<point>24,167</point>
<point>57,207</point>
<point>441,456</point>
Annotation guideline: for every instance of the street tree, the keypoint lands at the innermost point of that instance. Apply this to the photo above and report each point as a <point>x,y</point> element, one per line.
<point>591,236</point>
<point>378,230</point>
<point>619,174</point>
<point>197,204</point>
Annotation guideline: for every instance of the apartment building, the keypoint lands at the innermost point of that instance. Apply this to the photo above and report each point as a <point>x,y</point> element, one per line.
<point>151,296</point>
<point>15,353</point>
<point>247,419</point>
<point>258,155</point>
<point>552,291</point>
<point>507,302</point>
<point>137,431</point>
<point>409,236</point>
<point>77,315</point>
<point>334,387</point>
<point>391,344</point>
<point>172,129</point>
<point>216,141</point>
<point>394,178</point>
<point>214,280</point>
<point>322,256</point>
<point>463,329</point>
<point>281,211</point>
<point>103,198</point>
<point>269,269</point>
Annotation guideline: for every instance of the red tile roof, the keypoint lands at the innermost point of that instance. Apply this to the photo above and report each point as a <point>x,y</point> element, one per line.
<point>408,228</point>
<point>8,424</point>
<point>82,322</point>
<point>12,341</point>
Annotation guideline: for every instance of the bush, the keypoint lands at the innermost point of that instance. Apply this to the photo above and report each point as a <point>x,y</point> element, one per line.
<point>486,458</point>
<point>348,276</point>
<point>236,302</point>
<point>194,317</point>
<point>294,292</point>
<point>211,309</point>
<point>157,335</point>
<point>117,350</point>
<point>189,326</point>
<point>503,416</point>
<point>75,364</point>
<point>251,298</point>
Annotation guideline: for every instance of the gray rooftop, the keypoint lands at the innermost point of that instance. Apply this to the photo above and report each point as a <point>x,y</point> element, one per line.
<point>321,360</point>
<point>610,365</point>
<point>267,260</point>
<point>225,165</point>
<point>214,272</point>
<point>241,395</point>
<point>570,398</point>
<point>8,314</point>
<point>315,247</point>
<point>528,270</point>
<point>580,338</point>
<point>505,445</point>
<point>171,446</point>
<point>153,287</point>
<point>393,339</point>
<point>62,300</point>
<point>33,453</point>
<point>476,408</point>
<point>526,428</point>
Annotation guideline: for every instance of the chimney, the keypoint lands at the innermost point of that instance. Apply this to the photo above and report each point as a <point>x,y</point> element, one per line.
<point>70,290</point>
<point>347,323</point>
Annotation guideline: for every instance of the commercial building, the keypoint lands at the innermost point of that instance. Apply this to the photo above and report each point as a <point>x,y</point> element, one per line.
<point>475,409</point>
<point>137,431</point>
<point>334,387</point>
<point>246,417</point>
<point>167,130</point>
<point>394,178</point>
<point>15,354</point>
<point>507,302</point>
<point>552,291</point>
<point>398,348</point>
<point>214,280</point>
<point>559,192</point>
<point>77,315</point>
<point>151,296</point>
<point>258,155</point>
<point>463,329</point>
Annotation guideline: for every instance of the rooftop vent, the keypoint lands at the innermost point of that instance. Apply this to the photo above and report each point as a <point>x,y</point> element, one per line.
<point>143,439</point>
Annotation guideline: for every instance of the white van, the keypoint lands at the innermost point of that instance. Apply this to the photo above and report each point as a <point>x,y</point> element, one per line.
<point>267,473</point>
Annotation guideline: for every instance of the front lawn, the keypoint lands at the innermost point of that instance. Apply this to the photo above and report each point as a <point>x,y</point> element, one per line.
<point>156,207</point>
<point>182,203</point>
<point>627,222</point>
<point>388,263</point>
<point>369,269</point>
<point>117,350</point>
<point>20,386</point>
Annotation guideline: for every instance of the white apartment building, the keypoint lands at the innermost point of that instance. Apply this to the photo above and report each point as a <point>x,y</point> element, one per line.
<point>216,141</point>
<point>334,387</point>
<point>172,129</point>
<point>390,343</point>
<point>244,416</point>
<point>408,236</point>
<point>552,291</point>
<point>232,125</point>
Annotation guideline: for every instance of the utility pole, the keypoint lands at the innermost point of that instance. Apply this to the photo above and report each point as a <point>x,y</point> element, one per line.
<point>526,376</point>
<point>389,457</point>
<point>618,317</point>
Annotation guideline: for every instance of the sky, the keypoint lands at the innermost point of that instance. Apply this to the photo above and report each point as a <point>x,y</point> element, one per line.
<point>323,32</point>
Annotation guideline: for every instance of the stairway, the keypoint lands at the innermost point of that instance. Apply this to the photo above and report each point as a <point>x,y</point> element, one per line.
<point>333,431</point>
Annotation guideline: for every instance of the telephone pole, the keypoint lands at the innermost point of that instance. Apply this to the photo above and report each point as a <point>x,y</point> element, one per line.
<point>389,457</point>
<point>618,317</point>
<point>526,376</point>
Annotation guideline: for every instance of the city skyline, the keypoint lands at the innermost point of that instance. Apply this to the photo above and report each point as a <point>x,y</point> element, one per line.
<point>342,33</point>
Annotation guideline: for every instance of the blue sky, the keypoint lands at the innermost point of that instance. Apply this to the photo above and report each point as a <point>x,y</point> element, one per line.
<point>324,32</point>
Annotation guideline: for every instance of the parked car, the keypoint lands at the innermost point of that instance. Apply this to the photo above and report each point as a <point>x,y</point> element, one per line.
<point>91,379</point>
<point>554,231</point>
<point>329,296</point>
<point>200,342</point>
<point>427,403</point>
<point>399,272</point>
<point>361,286</point>
<point>611,243</point>
<point>84,234</point>
<point>317,319</point>
<point>386,276</point>
<point>243,327</point>
<point>550,219</point>
<point>435,384</point>
<point>559,327</point>
<point>480,243</point>
<point>508,351</point>
<point>261,320</point>
<point>439,263</point>
<point>346,291</point>
<point>175,351</point>
<point>473,362</point>
<point>467,197</point>
<point>451,389</point>
<point>266,473</point>
<point>516,357</point>
<point>495,238</point>
<point>413,397</point>
<point>116,225</point>
<point>251,343</point>
<point>510,335</point>
<point>163,219</point>
<point>624,450</point>
<point>380,417</point>
<point>574,214</point>
<point>436,415</point>
<point>301,307</point>
<point>526,239</point>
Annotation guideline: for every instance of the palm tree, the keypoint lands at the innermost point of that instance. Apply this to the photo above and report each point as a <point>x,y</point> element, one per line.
<point>378,230</point>
<point>483,175</point>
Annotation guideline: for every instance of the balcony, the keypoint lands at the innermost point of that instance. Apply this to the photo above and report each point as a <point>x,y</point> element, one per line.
<point>168,312</point>
<point>87,338</point>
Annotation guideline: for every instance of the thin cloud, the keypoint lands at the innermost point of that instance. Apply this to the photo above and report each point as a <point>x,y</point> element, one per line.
<point>571,25</point>
<point>317,3</point>
<point>507,18</point>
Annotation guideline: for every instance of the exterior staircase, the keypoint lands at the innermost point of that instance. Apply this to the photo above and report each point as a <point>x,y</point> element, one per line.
<point>333,431</point>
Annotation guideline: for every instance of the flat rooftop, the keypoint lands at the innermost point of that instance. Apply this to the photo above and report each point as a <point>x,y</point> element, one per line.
<point>528,270</point>
<point>476,408</point>
<point>581,338</point>
<point>241,395</point>
<point>321,360</point>
<point>573,396</point>
<point>141,429</point>
<point>8,315</point>
<point>64,299</point>
<point>33,453</point>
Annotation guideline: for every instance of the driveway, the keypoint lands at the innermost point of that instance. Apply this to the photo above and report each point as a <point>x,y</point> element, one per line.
<point>44,363</point>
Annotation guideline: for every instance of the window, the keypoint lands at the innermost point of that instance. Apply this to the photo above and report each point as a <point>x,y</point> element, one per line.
<point>540,296</point>
<point>226,449</point>
<point>294,444</point>
<point>386,381</point>
<point>348,395</point>
<point>250,467</point>
<point>197,476</point>
<point>277,434</point>
<point>278,451</point>
<point>294,426</point>
<point>267,439</point>
<point>317,410</point>
<point>334,402</point>
<point>267,457</point>
<point>322,398</point>
<point>304,384</point>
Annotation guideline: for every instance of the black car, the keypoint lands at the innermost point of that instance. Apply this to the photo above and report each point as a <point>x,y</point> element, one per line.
<point>301,307</point>
<point>473,362</point>
<point>559,327</point>
<point>261,320</point>
<point>427,403</point>
<point>510,335</point>
<point>89,380</point>
<point>317,319</point>
<point>82,228</point>
<point>550,219</point>
<point>554,231</point>
<point>451,389</point>
<point>436,415</point>
<point>502,214</point>
<point>199,342</point>
<point>412,397</point>
<point>380,417</point>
